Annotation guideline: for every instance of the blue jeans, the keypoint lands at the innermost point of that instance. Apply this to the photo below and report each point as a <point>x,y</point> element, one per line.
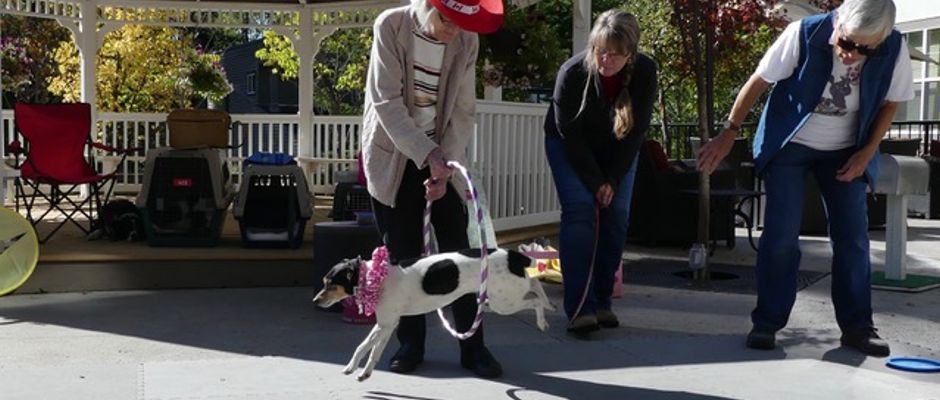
<point>578,235</point>
<point>778,259</point>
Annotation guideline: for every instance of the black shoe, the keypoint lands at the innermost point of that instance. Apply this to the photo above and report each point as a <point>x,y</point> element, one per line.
<point>761,339</point>
<point>406,360</point>
<point>583,325</point>
<point>607,319</point>
<point>867,342</point>
<point>482,363</point>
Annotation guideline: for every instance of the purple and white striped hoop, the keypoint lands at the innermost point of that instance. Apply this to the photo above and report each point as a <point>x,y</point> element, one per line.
<point>484,269</point>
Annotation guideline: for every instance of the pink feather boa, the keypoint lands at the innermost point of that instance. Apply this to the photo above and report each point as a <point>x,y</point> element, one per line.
<point>370,281</point>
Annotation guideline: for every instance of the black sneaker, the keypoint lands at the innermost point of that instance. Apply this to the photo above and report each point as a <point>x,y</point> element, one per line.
<point>607,319</point>
<point>761,339</point>
<point>406,360</point>
<point>482,363</point>
<point>584,324</point>
<point>867,342</point>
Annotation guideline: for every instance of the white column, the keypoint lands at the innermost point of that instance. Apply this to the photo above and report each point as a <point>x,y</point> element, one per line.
<point>581,24</point>
<point>87,43</point>
<point>1,101</point>
<point>493,93</point>
<point>305,46</point>
<point>896,238</point>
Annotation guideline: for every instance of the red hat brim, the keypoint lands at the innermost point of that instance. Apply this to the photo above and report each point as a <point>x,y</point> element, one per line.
<point>488,19</point>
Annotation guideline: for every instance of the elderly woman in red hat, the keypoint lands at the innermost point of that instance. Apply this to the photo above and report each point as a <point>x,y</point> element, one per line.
<point>419,114</point>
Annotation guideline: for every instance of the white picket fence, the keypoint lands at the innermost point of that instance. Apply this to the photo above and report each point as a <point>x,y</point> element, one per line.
<point>507,153</point>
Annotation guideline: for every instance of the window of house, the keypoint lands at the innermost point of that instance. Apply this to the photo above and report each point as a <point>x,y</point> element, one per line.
<point>932,101</point>
<point>933,51</point>
<point>251,83</point>
<point>916,41</point>
<point>926,102</point>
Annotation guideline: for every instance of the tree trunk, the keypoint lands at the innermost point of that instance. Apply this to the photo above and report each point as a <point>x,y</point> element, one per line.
<point>664,122</point>
<point>703,74</point>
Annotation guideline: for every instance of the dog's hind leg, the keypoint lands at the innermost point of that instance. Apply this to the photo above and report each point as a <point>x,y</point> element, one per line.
<point>540,303</point>
<point>539,307</point>
<point>536,287</point>
<point>362,350</point>
<point>377,349</point>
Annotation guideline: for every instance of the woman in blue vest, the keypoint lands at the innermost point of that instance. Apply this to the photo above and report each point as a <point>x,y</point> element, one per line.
<point>600,113</point>
<point>838,79</point>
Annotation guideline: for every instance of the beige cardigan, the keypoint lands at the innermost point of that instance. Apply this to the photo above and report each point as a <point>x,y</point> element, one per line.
<point>390,136</point>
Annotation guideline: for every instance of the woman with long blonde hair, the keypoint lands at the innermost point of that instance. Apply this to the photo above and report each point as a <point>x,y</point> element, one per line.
<point>600,112</point>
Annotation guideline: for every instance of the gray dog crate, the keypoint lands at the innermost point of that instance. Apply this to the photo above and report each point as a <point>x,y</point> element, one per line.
<point>184,197</point>
<point>273,206</point>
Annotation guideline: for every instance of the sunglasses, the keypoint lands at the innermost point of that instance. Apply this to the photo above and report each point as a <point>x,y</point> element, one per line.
<point>849,45</point>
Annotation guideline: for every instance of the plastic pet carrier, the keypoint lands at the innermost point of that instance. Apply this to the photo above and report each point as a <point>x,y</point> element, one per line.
<point>349,199</point>
<point>184,197</point>
<point>273,206</point>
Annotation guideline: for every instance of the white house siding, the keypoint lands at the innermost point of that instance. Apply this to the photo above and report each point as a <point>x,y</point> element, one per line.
<point>920,22</point>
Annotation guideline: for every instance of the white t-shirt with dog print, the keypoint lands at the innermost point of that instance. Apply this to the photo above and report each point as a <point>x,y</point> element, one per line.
<point>833,123</point>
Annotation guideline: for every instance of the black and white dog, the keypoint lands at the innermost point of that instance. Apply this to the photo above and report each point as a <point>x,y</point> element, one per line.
<point>423,285</point>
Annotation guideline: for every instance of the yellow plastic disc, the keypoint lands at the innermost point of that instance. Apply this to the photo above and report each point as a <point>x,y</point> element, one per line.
<point>19,250</point>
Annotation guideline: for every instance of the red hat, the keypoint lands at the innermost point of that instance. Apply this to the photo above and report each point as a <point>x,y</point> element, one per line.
<point>481,16</point>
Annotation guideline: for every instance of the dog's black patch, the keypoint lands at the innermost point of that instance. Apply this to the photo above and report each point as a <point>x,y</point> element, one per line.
<point>517,262</point>
<point>345,274</point>
<point>474,253</point>
<point>409,262</point>
<point>441,278</point>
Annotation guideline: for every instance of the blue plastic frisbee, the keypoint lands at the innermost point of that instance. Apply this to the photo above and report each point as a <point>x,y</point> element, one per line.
<point>914,364</point>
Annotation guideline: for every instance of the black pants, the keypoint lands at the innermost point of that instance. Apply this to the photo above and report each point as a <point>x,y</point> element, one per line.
<point>400,228</point>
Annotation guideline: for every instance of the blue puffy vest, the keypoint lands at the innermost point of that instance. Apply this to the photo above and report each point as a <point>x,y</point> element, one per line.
<point>792,100</point>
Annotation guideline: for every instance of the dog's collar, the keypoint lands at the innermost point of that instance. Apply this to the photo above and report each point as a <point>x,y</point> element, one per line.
<point>369,289</point>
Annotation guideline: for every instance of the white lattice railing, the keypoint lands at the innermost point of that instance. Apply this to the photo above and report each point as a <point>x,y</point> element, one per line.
<point>42,8</point>
<point>507,153</point>
<point>252,133</point>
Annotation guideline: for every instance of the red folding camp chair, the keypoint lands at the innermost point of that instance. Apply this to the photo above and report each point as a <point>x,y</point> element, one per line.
<point>58,155</point>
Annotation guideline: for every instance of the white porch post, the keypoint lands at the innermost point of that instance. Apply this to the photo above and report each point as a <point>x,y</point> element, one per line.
<point>87,42</point>
<point>581,24</point>
<point>1,93</point>
<point>306,47</point>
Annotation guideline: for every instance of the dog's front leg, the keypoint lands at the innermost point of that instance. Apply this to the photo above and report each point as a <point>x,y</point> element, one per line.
<point>382,339</point>
<point>361,351</point>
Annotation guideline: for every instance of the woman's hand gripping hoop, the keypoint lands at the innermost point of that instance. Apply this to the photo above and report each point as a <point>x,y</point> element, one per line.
<point>484,271</point>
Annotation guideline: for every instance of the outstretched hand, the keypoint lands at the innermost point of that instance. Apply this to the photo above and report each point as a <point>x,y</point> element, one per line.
<point>711,154</point>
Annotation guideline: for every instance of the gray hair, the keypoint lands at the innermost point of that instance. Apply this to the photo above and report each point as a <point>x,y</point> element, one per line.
<point>867,17</point>
<point>423,10</point>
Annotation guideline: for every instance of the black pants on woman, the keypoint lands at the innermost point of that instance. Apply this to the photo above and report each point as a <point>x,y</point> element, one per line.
<point>400,228</point>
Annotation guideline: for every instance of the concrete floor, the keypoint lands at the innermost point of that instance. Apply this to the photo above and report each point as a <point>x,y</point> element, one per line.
<point>270,343</point>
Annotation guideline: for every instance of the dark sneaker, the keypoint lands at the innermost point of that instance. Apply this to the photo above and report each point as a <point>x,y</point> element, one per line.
<point>583,325</point>
<point>607,319</point>
<point>482,363</point>
<point>867,342</point>
<point>761,339</point>
<point>406,360</point>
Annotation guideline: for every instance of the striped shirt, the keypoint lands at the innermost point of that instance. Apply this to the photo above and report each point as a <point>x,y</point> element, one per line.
<point>429,55</point>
